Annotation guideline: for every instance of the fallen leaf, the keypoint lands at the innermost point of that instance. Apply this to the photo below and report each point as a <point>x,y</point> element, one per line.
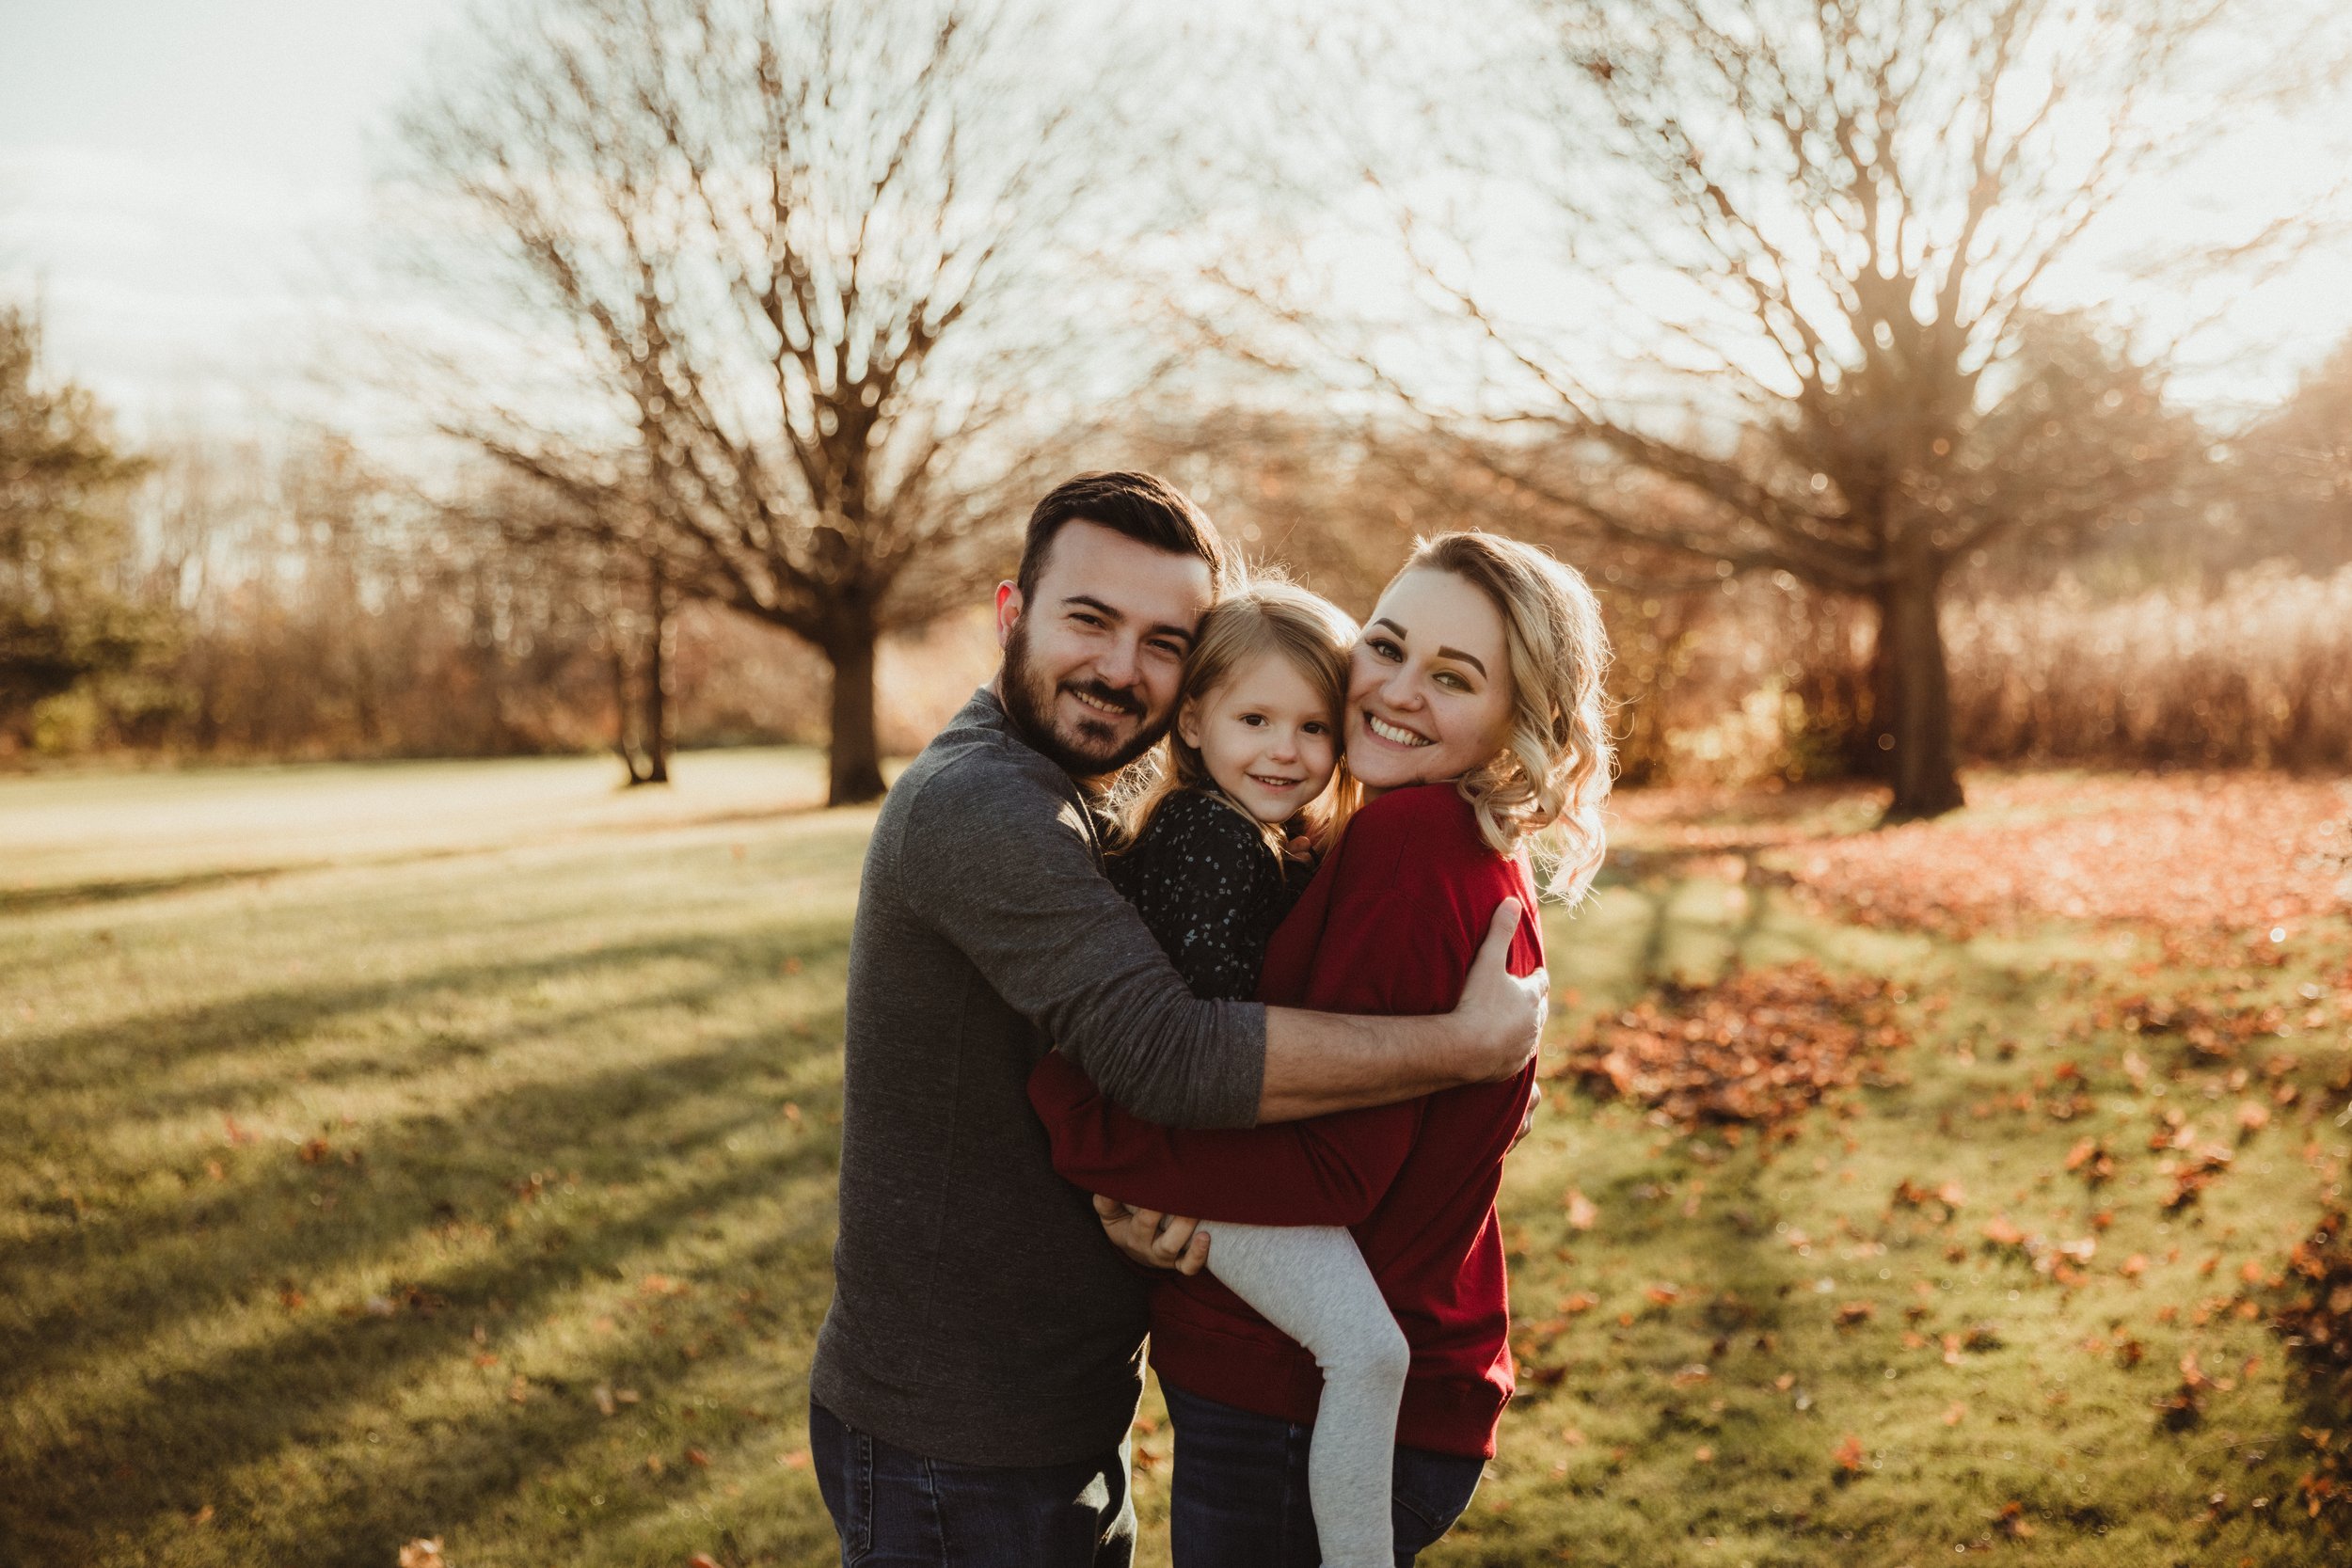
<point>422,1552</point>
<point>1847,1455</point>
<point>1582,1210</point>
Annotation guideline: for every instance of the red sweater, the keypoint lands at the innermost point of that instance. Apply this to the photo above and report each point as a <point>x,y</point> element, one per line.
<point>1390,925</point>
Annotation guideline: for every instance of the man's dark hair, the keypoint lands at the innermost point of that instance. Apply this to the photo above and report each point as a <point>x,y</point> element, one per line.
<point>1143,506</point>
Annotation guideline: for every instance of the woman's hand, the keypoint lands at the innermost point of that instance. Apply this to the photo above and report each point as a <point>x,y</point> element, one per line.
<point>1501,1017</point>
<point>1152,1239</point>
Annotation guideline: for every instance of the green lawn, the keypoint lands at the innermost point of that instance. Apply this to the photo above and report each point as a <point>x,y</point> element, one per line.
<point>446,1150</point>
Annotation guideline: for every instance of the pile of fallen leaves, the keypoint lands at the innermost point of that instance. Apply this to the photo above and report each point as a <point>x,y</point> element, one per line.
<point>1759,1047</point>
<point>2315,1322</point>
<point>2240,852</point>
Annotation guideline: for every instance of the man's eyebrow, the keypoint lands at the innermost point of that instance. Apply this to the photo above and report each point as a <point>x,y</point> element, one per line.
<point>1108,612</point>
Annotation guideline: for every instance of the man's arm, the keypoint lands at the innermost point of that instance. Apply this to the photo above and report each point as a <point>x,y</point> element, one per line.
<point>1316,1063</point>
<point>991,863</point>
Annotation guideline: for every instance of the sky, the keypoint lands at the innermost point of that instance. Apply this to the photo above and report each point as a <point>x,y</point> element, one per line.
<point>179,179</point>
<point>184,188</point>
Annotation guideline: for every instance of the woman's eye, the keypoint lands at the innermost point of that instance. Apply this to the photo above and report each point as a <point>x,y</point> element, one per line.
<point>1384,648</point>
<point>1448,678</point>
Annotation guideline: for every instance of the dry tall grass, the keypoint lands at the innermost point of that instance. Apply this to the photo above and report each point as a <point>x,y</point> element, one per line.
<point>2258,674</point>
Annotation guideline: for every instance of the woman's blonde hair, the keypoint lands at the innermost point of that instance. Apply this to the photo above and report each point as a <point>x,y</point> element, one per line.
<point>1545,786</point>
<point>1268,616</point>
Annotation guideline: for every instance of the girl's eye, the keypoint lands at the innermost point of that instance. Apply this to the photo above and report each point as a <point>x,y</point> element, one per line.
<point>1317,726</point>
<point>1255,720</point>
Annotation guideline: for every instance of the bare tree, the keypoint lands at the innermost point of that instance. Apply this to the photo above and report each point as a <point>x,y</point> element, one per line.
<point>797,266</point>
<point>1810,242</point>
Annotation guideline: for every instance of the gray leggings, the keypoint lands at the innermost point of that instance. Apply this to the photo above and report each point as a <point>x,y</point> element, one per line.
<point>1310,1282</point>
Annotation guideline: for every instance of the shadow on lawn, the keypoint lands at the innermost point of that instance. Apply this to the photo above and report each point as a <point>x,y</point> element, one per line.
<point>94,1054</point>
<point>72,896</point>
<point>175,1273</point>
<point>119,1471</point>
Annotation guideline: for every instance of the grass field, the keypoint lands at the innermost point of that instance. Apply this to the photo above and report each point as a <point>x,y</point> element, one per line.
<point>446,1150</point>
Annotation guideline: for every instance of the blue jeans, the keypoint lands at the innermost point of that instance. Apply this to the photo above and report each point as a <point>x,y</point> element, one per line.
<point>1240,1492</point>
<point>893,1508</point>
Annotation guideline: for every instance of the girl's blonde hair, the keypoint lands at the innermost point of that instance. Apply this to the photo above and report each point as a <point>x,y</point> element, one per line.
<point>1268,616</point>
<point>1545,786</point>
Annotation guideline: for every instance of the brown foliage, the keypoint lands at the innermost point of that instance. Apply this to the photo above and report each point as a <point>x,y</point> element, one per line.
<point>1758,1047</point>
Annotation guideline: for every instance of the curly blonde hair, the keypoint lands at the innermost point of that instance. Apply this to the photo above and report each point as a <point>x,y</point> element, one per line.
<point>1268,616</point>
<point>1544,788</point>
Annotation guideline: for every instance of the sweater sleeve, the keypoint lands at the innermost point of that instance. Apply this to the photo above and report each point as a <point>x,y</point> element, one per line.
<point>999,864</point>
<point>1394,942</point>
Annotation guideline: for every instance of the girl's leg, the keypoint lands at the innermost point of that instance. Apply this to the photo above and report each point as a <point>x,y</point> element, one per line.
<point>1310,1282</point>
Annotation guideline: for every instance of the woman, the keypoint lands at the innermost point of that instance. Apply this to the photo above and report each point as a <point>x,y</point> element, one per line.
<point>1476,727</point>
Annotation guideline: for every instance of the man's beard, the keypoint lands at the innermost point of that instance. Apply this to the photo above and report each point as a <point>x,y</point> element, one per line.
<point>1088,750</point>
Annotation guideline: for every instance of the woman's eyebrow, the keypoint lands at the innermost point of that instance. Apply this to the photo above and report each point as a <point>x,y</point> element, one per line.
<point>1471,660</point>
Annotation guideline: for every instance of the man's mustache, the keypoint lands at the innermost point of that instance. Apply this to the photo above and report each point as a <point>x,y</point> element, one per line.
<point>1124,701</point>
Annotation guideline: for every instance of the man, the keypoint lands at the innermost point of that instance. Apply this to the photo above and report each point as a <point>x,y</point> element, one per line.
<point>978,1370</point>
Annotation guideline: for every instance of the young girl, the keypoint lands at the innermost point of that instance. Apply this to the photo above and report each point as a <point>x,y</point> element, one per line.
<point>1252,760</point>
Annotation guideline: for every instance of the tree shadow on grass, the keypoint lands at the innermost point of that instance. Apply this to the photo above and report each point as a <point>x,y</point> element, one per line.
<point>115,1473</point>
<point>287,1017</point>
<point>419,1171</point>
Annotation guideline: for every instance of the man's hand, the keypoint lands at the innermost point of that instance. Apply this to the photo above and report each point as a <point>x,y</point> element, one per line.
<point>1155,1239</point>
<point>1500,1020</point>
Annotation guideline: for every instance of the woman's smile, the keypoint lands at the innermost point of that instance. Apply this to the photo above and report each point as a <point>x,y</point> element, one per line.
<point>1396,735</point>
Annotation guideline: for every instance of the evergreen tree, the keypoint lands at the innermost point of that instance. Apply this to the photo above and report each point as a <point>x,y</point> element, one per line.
<point>65,535</point>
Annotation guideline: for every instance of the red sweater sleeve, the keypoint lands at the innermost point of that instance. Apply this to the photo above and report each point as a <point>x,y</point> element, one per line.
<point>1397,937</point>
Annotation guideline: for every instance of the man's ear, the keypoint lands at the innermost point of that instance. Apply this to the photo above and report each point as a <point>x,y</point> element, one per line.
<point>1188,723</point>
<point>1008,611</point>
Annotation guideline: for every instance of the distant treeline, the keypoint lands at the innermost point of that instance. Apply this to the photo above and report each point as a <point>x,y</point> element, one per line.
<point>299,602</point>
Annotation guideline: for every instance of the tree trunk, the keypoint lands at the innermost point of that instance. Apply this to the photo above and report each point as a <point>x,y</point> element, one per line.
<point>624,705</point>
<point>1917,689</point>
<point>854,756</point>
<point>661,612</point>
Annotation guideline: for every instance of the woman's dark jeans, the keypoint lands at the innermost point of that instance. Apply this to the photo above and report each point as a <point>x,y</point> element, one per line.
<point>897,1507</point>
<point>1241,1490</point>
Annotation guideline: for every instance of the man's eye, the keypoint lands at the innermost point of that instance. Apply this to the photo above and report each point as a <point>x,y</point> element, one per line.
<point>1168,649</point>
<point>1085,619</point>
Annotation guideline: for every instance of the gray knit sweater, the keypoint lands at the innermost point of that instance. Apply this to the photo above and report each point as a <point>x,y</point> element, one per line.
<point>979,1315</point>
